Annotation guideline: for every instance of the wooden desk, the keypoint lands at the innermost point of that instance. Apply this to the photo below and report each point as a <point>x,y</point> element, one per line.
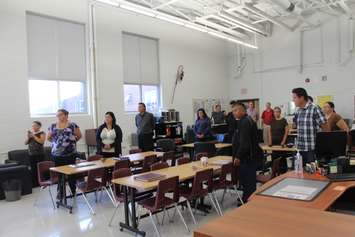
<point>270,219</point>
<point>186,171</point>
<point>267,148</point>
<point>218,145</point>
<point>322,202</point>
<point>130,185</point>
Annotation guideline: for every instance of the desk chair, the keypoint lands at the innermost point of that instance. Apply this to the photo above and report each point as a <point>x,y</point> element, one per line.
<point>148,161</point>
<point>207,147</point>
<point>276,170</point>
<point>200,155</point>
<point>161,201</point>
<point>352,143</point>
<point>183,160</point>
<point>159,166</point>
<point>94,158</point>
<point>202,186</point>
<point>331,144</point>
<point>94,183</point>
<point>134,151</point>
<point>46,179</point>
<point>169,155</point>
<point>222,183</point>
<point>120,164</point>
<point>168,145</point>
<point>90,139</point>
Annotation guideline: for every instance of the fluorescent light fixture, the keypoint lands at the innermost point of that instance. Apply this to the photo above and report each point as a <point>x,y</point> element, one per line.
<point>241,24</point>
<point>110,2</point>
<point>171,20</point>
<point>219,35</point>
<point>194,27</point>
<point>137,10</point>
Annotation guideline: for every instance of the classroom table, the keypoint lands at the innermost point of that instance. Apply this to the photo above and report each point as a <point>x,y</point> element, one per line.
<point>271,216</point>
<point>131,185</point>
<point>270,149</point>
<point>107,163</point>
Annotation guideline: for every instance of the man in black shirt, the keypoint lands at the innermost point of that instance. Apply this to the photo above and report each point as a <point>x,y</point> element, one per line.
<point>231,122</point>
<point>245,149</point>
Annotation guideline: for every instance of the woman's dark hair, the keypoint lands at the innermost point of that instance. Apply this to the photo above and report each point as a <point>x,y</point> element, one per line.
<point>300,92</point>
<point>38,123</point>
<point>331,104</point>
<point>64,111</point>
<point>112,115</point>
<point>204,113</point>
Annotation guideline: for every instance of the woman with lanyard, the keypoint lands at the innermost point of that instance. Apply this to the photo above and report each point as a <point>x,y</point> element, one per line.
<point>109,137</point>
<point>63,136</point>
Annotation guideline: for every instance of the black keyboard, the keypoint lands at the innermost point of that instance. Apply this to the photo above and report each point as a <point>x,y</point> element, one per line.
<point>341,177</point>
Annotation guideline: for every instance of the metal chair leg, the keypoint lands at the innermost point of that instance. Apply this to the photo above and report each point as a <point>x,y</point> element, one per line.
<point>190,210</point>
<point>181,217</point>
<point>36,200</point>
<point>88,204</point>
<point>153,222</point>
<point>213,204</point>
<point>224,193</point>
<point>113,216</point>
<point>217,203</point>
<point>109,195</point>
<point>238,195</point>
<point>50,194</point>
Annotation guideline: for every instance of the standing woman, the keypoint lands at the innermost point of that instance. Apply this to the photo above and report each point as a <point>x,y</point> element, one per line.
<point>202,126</point>
<point>63,136</point>
<point>109,137</point>
<point>35,141</point>
<point>334,120</point>
<point>279,130</point>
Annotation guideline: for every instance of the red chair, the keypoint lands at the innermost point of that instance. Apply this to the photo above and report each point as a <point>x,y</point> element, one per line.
<point>134,151</point>
<point>94,183</point>
<point>117,189</point>
<point>120,164</point>
<point>159,166</point>
<point>161,201</point>
<point>46,178</point>
<point>183,160</point>
<point>202,186</point>
<point>169,155</point>
<point>222,183</point>
<point>94,158</point>
<point>275,171</point>
<point>148,161</point>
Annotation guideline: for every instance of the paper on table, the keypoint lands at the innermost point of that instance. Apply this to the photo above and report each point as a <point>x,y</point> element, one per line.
<point>295,192</point>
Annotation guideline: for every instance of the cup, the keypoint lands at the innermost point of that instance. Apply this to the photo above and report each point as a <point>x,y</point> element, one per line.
<point>204,161</point>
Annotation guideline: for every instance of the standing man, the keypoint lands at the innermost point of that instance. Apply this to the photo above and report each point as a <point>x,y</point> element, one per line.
<point>231,122</point>
<point>309,118</point>
<point>267,117</point>
<point>245,149</point>
<point>252,112</point>
<point>145,128</point>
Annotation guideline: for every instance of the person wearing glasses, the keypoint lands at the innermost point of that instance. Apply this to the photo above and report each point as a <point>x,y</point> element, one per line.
<point>63,136</point>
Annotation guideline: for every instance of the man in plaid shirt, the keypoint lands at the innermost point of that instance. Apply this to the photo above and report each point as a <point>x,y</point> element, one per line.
<point>309,118</point>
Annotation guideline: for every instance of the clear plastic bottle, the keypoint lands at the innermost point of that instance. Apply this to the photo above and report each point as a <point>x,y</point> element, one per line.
<point>298,163</point>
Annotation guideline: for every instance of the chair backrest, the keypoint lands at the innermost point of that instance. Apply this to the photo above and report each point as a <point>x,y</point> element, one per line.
<point>94,157</point>
<point>183,160</point>
<point>166,144</point>
<point>198,156</point>
<point>276,167</point>
<point>226,169</point>
<point>134,151</point>
<point>90,137</point>
<point>122,164</point>
<point>166,186</point>
<point>202,177</point>
<point>148,161</point>
<point>159,166</point>
<point>331,144</point>
<point>207,147</point>
<point>120,173</point>
<point>352,138</point>
<point>168,155</point>
<point>44,173</point>
<point>93,177</point>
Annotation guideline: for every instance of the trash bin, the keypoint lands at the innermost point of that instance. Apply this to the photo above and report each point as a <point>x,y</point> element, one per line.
<point>12,190</point>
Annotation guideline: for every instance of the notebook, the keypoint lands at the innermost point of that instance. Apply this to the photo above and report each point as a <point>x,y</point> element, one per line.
<point>149,177</point>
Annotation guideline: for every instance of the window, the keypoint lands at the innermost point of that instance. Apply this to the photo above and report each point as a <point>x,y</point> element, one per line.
<point>148,94</point>
<point>46,97</point>
<point>141,72</point>
<point>56,65</point>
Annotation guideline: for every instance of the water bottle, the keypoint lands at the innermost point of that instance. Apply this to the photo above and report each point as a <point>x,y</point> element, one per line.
<point>298,163</point>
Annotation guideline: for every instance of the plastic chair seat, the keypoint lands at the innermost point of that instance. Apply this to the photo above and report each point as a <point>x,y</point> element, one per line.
<point>149,204</point>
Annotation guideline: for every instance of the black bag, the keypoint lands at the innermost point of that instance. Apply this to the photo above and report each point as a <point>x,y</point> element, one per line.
<point>256,152</point>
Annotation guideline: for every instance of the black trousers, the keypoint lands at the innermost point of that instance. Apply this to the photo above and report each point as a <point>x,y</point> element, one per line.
<point>145,142</point>
<point>34,160</point>
<point>247,177</point>
<point>66,160</point>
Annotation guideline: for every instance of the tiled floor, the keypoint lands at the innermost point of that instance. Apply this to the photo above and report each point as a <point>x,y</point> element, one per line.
<point>22,218</point>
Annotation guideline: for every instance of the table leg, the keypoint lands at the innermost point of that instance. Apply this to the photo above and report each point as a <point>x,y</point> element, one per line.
<point>63,194</point>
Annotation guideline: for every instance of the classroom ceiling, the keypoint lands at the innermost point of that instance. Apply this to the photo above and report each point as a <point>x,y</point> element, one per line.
<point>243,20</point>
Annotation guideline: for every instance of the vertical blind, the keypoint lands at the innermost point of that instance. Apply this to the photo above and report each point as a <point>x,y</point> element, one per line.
<point>140,60</point>
<point>56,49</point>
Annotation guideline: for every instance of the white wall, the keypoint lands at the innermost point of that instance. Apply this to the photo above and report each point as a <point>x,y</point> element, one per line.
<point>275,69</point>
<point>203,57</point>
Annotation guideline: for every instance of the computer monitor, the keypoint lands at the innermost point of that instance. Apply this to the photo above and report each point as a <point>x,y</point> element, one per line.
<point>330,145</point>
